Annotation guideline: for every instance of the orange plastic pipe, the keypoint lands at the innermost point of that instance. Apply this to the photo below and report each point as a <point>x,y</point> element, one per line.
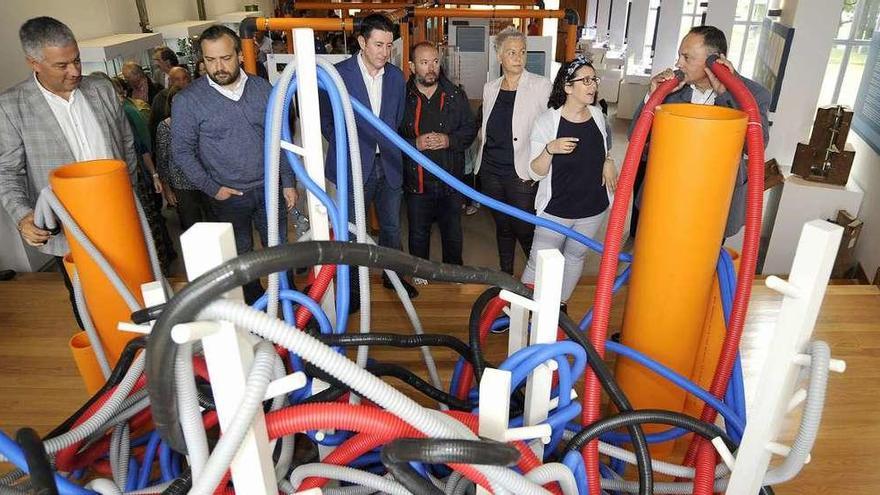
<point>248,49</point>
<point>86,362</point>
<point>352,5</point>
<point>99,197</point>
<point>504,3</point>
<point>488,13</point>
<point>711,342</point>
<point>692,163</point>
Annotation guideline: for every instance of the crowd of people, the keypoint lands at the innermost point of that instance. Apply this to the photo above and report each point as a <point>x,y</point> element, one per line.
<point>194,142</point>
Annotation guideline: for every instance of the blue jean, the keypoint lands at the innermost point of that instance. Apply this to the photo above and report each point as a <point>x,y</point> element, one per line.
<point>387,200</point>
<point>245,213</point>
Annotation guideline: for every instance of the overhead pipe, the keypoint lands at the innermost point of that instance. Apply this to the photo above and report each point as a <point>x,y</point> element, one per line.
<point>251,25</point>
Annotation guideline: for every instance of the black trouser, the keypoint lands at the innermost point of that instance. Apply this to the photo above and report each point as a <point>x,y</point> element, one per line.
<point>59,260</point>
<point>192,206</point>
<point>520,194</point>
<point>422,211</point>
<point>637,186</point>
<point>246,212</point>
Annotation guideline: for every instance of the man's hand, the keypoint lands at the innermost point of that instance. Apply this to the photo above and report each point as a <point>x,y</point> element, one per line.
<point>663,77</point>
<point>170,197</point>
<point>32,234</point>
<point>157,184</point>
<point>719,88</point>
<point>423,142</point>
<point>227,192</point>
<point>439,141</point>
<point>609,175</point>
<point>289,197</point>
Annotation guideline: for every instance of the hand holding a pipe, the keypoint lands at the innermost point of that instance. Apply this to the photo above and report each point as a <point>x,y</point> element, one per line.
<point>289,197</point>
<point>32,234</point>
<point>663,77</point>
<point>719,88</point>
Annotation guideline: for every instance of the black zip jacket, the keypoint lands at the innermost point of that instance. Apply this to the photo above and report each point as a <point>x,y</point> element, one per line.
<point>456,120</point>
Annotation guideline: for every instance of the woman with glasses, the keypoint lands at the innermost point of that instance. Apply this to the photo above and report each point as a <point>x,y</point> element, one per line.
<point>510,105</point>
<point>569,161</point>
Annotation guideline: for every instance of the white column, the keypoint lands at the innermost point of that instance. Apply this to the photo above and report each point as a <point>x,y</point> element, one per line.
<point>592,5</point>
<point>720,14</point>
<point>638,24</point>
<point>667,34</point>
<point>604,9</point>
<point>618,22</point>
<point>815,25</point>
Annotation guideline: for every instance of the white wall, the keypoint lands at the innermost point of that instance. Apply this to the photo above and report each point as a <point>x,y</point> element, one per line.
<point>810,50</point>
<point>866,173</point>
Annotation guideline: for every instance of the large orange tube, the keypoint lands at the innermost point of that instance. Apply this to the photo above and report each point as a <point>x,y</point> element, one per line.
<point>100,199</point>
<point>694,154</point>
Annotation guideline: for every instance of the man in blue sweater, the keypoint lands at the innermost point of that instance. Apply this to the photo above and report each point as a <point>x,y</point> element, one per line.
<point>217,141</point>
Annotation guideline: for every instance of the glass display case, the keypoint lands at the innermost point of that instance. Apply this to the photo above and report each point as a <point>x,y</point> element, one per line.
<point>107,54</point>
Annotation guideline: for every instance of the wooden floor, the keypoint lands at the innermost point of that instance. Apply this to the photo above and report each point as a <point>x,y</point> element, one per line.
<point>40,386</point>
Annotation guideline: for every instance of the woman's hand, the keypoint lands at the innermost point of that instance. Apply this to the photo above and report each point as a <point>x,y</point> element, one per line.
<point>561,146</point>
<point>609,175</point>
<point>170,197</point>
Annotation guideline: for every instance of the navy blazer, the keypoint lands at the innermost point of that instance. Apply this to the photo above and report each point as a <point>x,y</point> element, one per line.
<point>393,94</point>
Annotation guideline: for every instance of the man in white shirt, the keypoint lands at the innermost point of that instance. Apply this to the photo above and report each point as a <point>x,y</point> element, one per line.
<point>52,118</point>
<point>701,87</point>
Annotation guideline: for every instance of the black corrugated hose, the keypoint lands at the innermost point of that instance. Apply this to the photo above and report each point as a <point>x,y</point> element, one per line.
<point>39,469</point>
<point>185,305</point>
<point>397,455</point>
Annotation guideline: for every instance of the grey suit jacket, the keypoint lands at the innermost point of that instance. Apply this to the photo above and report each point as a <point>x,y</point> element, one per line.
<point>32,144</point>
<point>737,213</point>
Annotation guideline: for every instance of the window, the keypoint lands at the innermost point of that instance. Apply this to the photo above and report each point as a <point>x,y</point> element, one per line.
<point>742,47</point>
<point>693,14</point>
<point>849,52</point>
<point>651,30</point>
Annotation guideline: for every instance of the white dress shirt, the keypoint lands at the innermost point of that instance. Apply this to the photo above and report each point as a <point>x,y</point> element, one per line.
<point>78,124</point>
<point>234,91</point>
<point>374,87</point>
<point>700,97</point>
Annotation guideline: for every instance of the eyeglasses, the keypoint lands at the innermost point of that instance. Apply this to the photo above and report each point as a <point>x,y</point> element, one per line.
<point>587,81</point>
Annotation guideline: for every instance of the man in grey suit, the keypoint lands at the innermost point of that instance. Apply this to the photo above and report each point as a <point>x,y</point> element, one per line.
<point>701,87</point>
<point>55,117</point>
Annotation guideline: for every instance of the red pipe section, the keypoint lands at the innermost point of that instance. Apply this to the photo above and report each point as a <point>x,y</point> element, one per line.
<point>703,482</point>
<point>608,270</point>
<point>316,292</point>
<point>492,311</point>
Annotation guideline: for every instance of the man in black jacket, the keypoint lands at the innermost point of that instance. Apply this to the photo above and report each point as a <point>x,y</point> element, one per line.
<point>438,121</point>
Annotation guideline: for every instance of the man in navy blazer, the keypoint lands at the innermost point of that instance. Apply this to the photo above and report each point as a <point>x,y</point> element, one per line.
<point>376,83</point>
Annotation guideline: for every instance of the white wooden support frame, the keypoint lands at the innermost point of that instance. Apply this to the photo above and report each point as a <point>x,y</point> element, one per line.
<point>802,298</point>
<point>312,144</point>
<point>545,322</point>
<point>229,355</point>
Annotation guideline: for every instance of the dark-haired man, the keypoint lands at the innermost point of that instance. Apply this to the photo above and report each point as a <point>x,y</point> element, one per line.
<point>701,87</point>
<point>217,141</point>
<point>439,123</point>
<point>376,83</point>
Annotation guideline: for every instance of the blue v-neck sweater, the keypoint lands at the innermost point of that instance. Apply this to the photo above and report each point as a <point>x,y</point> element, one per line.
<point>219,142</point>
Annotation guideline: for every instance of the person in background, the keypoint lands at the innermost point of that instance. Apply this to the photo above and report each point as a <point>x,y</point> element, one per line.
<point>192,205</point>
<point>701,87</point>
<point>201,69</point>
<point>574,173</point>
<point>142,88</point>
<point>510,105</point>
<point>150,188</point>
<point>54,117</point>
<point>217,134</point>
<point>178,78</point>
<point>165,59</point>
<point>438,121</point>
<point>373,81</point>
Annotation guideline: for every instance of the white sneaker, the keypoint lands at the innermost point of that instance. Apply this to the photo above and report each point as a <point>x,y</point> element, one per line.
<point>419,281</point>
